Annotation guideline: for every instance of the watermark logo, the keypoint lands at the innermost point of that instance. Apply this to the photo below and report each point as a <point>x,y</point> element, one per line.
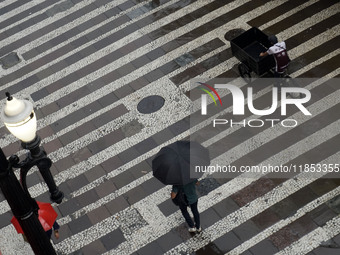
<point>204,97</point>
<point>239,100</point>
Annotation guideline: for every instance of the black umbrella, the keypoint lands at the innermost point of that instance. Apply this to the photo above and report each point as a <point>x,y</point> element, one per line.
<point>173,163</point>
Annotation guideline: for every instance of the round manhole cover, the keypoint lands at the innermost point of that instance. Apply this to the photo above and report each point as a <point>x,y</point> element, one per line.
<point>150,104</point>
<point>233,34</point>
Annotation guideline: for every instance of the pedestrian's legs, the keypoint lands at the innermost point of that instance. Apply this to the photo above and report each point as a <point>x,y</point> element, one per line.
<point>186,216</point>
<point>196,214</point>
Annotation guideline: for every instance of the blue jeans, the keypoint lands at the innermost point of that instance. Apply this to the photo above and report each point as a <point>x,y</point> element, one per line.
<point>187,217</point>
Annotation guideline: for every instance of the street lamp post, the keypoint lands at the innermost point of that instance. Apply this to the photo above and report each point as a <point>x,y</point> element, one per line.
<point>20,120</point>
<point>24,209</point>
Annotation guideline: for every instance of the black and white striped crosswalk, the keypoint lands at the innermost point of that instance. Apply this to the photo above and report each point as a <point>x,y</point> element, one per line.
<point>85,65</point>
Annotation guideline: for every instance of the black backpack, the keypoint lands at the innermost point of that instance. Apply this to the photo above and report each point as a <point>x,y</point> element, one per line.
<point>180,198</point>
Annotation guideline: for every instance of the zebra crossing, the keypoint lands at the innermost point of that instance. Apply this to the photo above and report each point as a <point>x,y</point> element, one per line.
<point>87,67</point>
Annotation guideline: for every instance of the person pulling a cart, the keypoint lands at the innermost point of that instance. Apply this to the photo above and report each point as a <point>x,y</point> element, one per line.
<point>279,51</point>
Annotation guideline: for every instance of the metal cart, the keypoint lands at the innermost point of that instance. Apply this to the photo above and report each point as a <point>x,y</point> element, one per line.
<point>247,48</point>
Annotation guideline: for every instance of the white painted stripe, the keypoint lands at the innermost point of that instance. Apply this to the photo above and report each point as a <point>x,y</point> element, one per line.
<point>103,52</point>
<point>80,20</point>
<point>290,153</point>
<point>46,22</point>
<point>133,55</point>
<point>240,151</point>
<point>75,170</point>
<point>47,100</point>
<point>246,212</point>
<point>57,96</point>
<point>127,142</point>
<point>288,14</point>
<point>151,218</point>
<point>313,239</point>
<point>285,222</point>
<point>21,9</point>
<point>126,79</point>
<point>5,3</point>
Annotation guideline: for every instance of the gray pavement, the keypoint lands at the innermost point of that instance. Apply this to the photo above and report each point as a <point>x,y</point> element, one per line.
<point>86,66</point>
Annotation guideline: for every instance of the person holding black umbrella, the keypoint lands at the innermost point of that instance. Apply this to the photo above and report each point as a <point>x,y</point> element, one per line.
<point>175,165</point>
<point>189,191</point>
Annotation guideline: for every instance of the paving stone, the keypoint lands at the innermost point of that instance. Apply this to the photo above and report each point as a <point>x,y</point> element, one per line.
<point>61,7</point>
<point>77,183</point>
<point>252,191</point>
<point>95,247</point>
<point>265,247</point>
<point>116,205</point>
<point>111,164</point>
<point>86,128</point>
<point>105,188</point>
<point>208,217</point>
<point>33,179</point>
<point>123,91</point>
<point>5,219</point>
<point>227,242</point>
<point>135,195</point>
<point>64,233</point>
<point>112,12</point>
<point>163,136</point>
<point>283,238</point>
<point>322,186</point>
<point>225,207</point>
<point>154,75</point>
<point>152,185</point>
<point>322,214</point>
<point>50,108</point>
<point>128,155</point>
<point>168,207</point>
<point>98,214</point>
<point>285,208</point>
<point>88,197</point>
<point>337,239</point>
<point>246,230</point>
<point>152,248</point>
<point>326,251</point>
<point>113,239</point>
<point>303,196</point>
<point>185,59</point>
<point>211,248</point>
<point>94,173</point>
<point>303,226</point>
<point>69,206</point>
<point>140,169</point>
<point>334,204</point>
<point>79,224</point>
<point>64,163</point>
<point>105,142</point>
<point>81,155</point>
<point>10,60</point>
<point>179,127</point>
<point>69,137</point>
<point>207,185</point>
<point>265,219</point>
<point>141,61</point>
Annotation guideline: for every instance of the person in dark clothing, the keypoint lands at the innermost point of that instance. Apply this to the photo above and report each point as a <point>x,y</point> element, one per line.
<point>279,51</point>
<point>55,230</point>
<point>191,195</point>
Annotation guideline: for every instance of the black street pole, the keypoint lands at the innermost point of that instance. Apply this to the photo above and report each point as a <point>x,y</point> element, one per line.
<point>23,209</point>
<point>37,157</point>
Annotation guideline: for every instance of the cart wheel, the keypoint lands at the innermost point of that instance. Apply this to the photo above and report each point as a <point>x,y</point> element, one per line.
<point>244,72</point>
